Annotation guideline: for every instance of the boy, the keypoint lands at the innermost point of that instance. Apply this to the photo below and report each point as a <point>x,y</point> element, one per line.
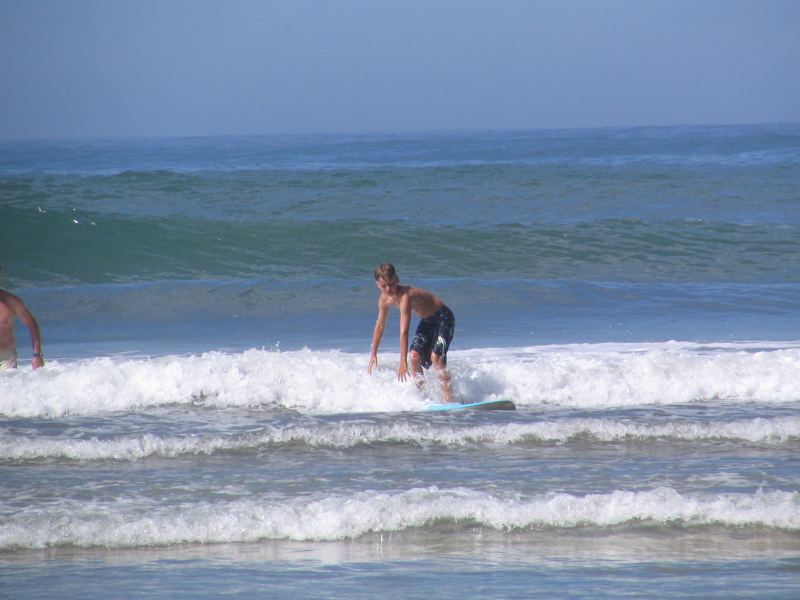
<point>434,332</point>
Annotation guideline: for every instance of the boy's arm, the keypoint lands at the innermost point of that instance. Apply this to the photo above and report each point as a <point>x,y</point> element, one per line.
<point>405,323</point>
<point>377,334</point>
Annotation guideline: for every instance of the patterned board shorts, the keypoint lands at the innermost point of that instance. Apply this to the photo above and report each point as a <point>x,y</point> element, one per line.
<point>434,334</point>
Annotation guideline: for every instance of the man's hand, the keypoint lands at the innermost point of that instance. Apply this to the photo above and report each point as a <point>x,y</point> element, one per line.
<point>37,362</point>
<point>373,362</point>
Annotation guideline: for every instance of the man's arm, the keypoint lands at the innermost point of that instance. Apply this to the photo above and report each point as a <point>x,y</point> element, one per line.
<point>24,315</point>
<point>377,335</point>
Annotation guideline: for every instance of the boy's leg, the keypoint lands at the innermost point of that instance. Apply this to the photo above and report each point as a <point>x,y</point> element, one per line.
<point>440,364</point>
<point>445,328</point>
<point>416,368</point>
<point>420,346</point>
<point>416,362</point>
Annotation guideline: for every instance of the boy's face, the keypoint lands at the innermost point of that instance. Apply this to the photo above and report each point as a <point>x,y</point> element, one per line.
<point>387,285</point>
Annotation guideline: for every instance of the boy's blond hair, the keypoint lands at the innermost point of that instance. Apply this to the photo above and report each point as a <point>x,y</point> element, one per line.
<point>385,271</point>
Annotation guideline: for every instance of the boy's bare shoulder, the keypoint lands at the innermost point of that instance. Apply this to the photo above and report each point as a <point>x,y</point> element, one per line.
<point>404,294</point>
<point>417,291</point>
<point>386,300</point>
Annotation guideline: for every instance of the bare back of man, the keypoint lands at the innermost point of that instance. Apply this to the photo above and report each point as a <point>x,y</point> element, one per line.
<point>12,307</point>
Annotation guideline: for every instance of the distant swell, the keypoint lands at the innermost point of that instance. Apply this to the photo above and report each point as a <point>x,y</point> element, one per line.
<point>106,248</point>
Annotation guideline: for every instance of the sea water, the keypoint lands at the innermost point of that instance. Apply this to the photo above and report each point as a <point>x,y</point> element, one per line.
<point>205,424</point>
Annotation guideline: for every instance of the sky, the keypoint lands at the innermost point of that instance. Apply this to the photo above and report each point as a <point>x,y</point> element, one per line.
<point>111,68</point>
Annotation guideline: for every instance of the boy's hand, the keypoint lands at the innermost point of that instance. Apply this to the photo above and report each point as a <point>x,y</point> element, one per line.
<point>402,371</point>
<point>373,362</point>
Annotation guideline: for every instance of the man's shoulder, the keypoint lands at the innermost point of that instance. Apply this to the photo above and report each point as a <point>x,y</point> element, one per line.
<point>9,300</point>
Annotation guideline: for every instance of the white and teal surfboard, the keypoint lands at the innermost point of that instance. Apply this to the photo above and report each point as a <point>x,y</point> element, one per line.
<point>483,405</point>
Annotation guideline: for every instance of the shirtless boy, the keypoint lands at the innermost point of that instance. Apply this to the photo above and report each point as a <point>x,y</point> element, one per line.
<point>433,335</point>
<point>10,307</point>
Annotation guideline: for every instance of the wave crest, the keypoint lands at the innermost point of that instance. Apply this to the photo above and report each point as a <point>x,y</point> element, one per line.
<point>116,525</point>
<point>332,382</point>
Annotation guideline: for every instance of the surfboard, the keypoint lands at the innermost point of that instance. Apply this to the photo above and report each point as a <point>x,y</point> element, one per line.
<point>483,405</point>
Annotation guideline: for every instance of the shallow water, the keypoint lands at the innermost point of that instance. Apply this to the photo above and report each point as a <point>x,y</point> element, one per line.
<point>205,424</point>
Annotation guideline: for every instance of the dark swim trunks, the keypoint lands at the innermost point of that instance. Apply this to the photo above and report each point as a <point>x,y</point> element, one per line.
<point>434,335</point>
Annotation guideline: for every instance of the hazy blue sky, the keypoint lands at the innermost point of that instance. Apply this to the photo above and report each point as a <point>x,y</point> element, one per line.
<point>186,67</point>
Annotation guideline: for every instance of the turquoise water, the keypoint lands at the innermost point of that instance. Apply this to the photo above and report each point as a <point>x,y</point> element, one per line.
<point>205,423</point>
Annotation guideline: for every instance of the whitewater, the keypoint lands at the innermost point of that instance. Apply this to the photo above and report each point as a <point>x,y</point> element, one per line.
<point>330,382</point>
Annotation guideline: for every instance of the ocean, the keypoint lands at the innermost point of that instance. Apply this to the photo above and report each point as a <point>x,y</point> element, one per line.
<point>205,424</point>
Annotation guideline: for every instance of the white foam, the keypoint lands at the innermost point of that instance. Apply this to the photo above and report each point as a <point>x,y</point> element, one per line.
<point>314,382</point>
<point>131,523</point>
<point>618,375</point>
<point>580,376</point>
<point>774,430</point>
